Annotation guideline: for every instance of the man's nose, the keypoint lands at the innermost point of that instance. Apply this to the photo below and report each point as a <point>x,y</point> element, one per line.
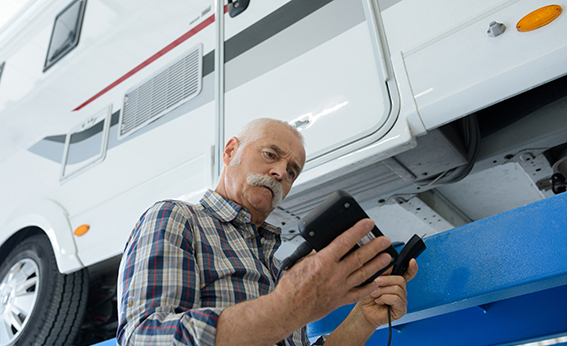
<point>279,171</point>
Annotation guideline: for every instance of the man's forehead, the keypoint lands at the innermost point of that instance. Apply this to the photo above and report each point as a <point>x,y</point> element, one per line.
<point>295,149</point>
<point>283,143</point>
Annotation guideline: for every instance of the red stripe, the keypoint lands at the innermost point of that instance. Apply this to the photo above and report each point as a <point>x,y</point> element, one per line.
<point>203,314</point>
<point>154,57</point>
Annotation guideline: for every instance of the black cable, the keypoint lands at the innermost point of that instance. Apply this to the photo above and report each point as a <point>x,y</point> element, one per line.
<point>389,326</point>
<point>414,247</point>
<point>302,250</point>
<point>472,144</point>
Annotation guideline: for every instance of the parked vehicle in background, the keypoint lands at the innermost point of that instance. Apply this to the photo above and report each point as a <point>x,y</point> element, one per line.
<point>432,115</point>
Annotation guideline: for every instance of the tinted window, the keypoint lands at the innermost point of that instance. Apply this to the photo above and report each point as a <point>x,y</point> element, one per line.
<point>66,30</point>
<point>86,144</point>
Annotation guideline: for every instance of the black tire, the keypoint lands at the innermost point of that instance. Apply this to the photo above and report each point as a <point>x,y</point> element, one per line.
<point>56,314</point>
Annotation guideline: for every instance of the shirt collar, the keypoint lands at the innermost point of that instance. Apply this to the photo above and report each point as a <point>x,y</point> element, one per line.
<point>228,211</point>
<point>223,208</point>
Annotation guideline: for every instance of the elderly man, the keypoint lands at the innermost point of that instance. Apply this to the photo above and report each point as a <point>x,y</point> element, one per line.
<point>205,274</point>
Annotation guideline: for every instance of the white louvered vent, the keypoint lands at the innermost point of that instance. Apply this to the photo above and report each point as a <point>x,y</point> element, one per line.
<point>168,88</point>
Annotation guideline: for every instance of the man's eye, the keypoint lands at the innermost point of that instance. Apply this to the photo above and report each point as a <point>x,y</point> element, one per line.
<point>291,174</point>
<point>270,155</point>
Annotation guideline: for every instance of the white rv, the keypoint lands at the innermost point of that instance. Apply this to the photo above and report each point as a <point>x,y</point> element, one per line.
<point>107,106</point>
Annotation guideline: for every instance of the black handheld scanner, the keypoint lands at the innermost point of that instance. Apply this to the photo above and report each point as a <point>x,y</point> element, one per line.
<point>333,216</point>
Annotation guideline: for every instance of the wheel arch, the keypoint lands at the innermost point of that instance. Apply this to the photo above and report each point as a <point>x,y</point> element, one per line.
<point>45,216</point>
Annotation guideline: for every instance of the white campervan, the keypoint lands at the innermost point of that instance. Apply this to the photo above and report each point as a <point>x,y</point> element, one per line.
<point>107,106</point>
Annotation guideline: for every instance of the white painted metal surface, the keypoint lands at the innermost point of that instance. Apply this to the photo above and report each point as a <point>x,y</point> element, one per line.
<point>456,68</point>
<point>360,89</point>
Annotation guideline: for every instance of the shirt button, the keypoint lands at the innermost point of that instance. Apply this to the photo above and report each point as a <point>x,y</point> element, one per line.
<point>130,303</point>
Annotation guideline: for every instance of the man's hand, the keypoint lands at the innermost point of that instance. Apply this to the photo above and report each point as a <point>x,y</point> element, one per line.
<point>391,292</point>
<point>372,311</point>
<point>323,282</point>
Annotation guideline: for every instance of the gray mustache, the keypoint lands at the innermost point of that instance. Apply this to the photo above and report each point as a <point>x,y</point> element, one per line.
<point>272,183</point>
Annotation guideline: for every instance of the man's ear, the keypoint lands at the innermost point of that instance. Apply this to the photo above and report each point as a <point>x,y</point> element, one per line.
<point>230,150</point>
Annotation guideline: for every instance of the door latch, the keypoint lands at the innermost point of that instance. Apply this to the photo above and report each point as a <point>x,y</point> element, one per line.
<point>236,7</point>
<point>300,123</point>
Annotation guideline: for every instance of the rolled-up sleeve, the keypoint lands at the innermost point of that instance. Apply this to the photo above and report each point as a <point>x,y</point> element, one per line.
<point>159,283</point>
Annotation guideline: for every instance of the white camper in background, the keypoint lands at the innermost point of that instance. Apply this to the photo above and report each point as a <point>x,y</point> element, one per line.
<point>107,106</point>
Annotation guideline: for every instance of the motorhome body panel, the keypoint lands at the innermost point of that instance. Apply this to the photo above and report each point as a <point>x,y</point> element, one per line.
<point>119,50</point>
<point>340,78</point>
<point>446,67</point>
<point>116,38</point>
<point>321,69</point>
<point>455,67</point>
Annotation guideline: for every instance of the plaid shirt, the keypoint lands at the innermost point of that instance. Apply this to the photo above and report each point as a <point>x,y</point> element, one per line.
<point>184,264</point>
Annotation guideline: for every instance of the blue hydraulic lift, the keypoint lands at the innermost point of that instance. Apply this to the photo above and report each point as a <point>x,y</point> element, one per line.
<point>496,281</point>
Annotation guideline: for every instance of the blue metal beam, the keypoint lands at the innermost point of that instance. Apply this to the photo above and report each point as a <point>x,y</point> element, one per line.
<point>502,261</point>
<point>537,314</point>
<point>494,281</point>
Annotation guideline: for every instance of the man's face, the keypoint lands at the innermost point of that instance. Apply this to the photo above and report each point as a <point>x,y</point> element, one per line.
<point>266,165</point>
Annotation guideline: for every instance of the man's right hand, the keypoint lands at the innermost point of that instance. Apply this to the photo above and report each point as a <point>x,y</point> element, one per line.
<point>322,282</point>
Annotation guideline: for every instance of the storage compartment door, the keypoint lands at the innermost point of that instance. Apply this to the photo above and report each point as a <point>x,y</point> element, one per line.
<point>310,63</point>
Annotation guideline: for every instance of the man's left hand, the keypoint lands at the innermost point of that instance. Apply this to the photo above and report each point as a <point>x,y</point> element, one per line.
<point>392,291</point>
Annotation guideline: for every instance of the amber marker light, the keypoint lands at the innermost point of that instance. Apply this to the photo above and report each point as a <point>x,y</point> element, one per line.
<point>81,230</point>
<point>538,18</point>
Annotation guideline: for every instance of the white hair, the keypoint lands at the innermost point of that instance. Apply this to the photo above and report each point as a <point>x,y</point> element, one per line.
<point>253,131</point>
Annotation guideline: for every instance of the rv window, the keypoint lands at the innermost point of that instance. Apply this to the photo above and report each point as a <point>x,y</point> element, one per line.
<point>85,145</point>
<point>66,30</point>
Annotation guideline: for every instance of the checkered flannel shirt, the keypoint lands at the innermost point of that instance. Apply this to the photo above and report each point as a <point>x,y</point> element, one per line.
<point>183,264</point>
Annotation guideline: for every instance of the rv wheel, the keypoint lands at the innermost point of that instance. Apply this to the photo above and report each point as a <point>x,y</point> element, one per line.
<point>38,304</point>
